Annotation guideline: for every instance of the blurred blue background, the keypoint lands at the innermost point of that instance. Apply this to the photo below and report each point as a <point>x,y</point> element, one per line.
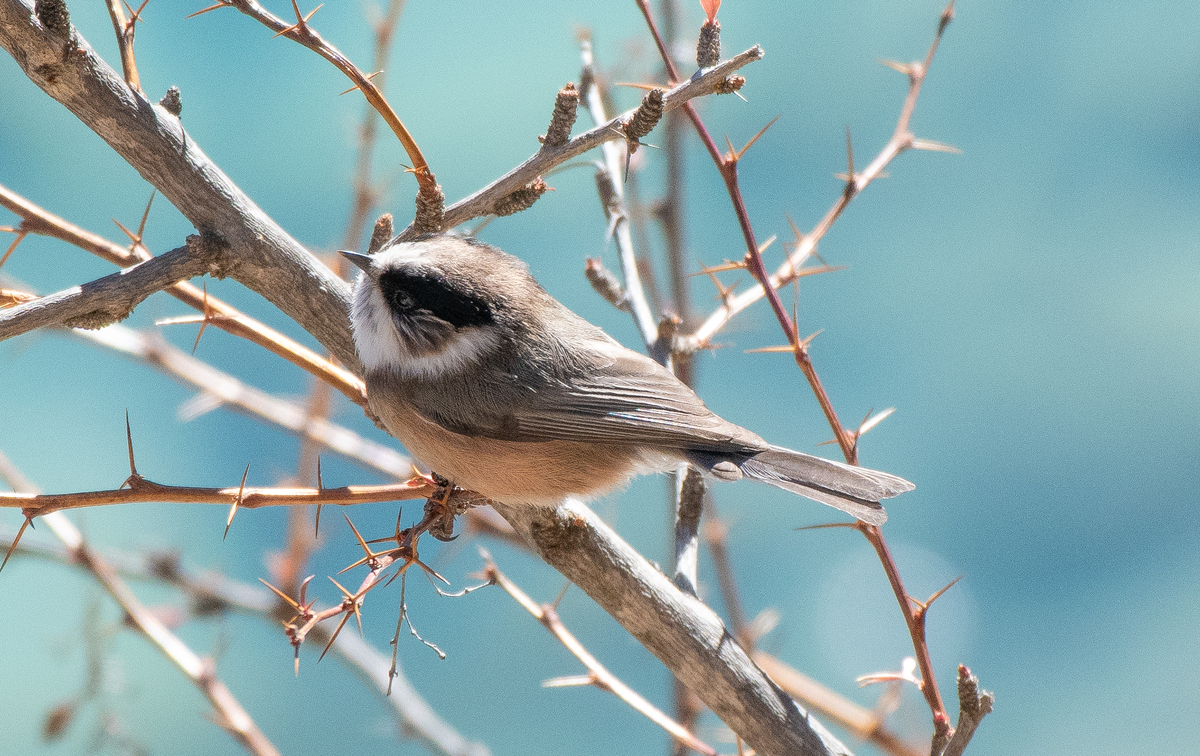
<point>1030,308</point>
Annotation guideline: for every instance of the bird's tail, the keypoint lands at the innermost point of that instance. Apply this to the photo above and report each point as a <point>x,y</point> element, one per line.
<point>854,490</point>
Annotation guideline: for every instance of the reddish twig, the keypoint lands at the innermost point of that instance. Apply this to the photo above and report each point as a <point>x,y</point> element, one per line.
<point>429,197</point>
<point>727,166</point>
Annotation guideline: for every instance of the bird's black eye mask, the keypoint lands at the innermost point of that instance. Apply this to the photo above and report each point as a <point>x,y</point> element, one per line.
<point>408,293</point>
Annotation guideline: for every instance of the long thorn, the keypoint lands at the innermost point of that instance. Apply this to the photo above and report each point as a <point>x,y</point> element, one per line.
<point>236,502</point>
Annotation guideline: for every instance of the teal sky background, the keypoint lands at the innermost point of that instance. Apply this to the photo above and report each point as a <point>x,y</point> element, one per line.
<point>1030,307</point>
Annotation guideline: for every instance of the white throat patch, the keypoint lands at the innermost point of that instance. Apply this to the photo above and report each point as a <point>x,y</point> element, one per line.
<point>380,346</point>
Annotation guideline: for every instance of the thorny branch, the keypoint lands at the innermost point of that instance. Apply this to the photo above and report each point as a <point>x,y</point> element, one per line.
<point>481,202</point>
<point>36,220</point>
<point>230,715</point>
<point>429,194</point>
<point>213,593</point>
<point>902,139</point>
<point>598,675</point>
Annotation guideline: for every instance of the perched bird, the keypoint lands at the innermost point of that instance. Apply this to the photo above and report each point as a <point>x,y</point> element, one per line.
<point>500,388</point>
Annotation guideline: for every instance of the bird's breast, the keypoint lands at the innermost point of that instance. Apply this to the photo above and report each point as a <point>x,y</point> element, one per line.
<point>539,473</point>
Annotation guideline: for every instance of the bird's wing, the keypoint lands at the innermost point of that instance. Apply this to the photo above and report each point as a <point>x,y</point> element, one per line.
<point>622,397</point>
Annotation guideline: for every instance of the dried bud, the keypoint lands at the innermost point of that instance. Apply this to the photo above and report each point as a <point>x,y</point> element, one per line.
<point>566,105</point>
<point>731,84</point>
<point>645,117</point>
<point>54,726</point>
<point>431,206</point>
<point>522,199</point>
<point>54,16</point>
<point>604,188</point>
<point>171,102</point>
<point>708,49</point>
<point>606,283</point>
<point>381,234</point>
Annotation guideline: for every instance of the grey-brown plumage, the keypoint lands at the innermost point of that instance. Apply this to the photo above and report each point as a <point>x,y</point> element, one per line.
<point>496,385</point>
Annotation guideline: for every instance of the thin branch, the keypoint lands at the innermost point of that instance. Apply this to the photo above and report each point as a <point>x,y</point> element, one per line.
<point>860,721</point>
<point>365,194</point>
<point>112,298</point>
<point>37,220</point>
<point>222,389</point>
<point>598,674</point>
<point>124,30</point>
<point>142,490</point>
<point>231,717</point>
<point>806,244</point>
<point>303,33</point>
<point>612,190</point>
<point>481,202</point>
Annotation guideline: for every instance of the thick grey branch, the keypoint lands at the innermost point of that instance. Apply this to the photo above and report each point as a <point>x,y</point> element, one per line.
<point>109,299</point>
<point>682,632</point>
<point>265,258</point>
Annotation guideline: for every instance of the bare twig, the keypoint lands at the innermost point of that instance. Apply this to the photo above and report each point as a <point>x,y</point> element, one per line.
<point>860,721</point>
<point>142,490</point>
<point>302,32</point>
<point>481,202</point>
<point>231,717</point>
<point>598,674</point>
<point>610,178</point>
<point>974,703</point>
<point>806,244</point>
<point>36,220</point>
<point>124,29</point>
<point>365,193</point>
<point>112,298</point>
<point>218,388</point>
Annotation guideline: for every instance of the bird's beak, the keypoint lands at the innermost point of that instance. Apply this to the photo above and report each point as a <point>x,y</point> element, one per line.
<point>361,261</point>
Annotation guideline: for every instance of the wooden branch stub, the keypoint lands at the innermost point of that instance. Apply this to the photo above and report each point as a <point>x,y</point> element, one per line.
<point>172,102</point>
<point>380,233</point>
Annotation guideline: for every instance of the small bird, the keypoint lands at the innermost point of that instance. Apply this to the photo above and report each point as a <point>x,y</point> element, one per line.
<point>501,389</point>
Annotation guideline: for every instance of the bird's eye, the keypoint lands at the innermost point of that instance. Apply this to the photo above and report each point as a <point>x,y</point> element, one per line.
<point>402,300</point>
